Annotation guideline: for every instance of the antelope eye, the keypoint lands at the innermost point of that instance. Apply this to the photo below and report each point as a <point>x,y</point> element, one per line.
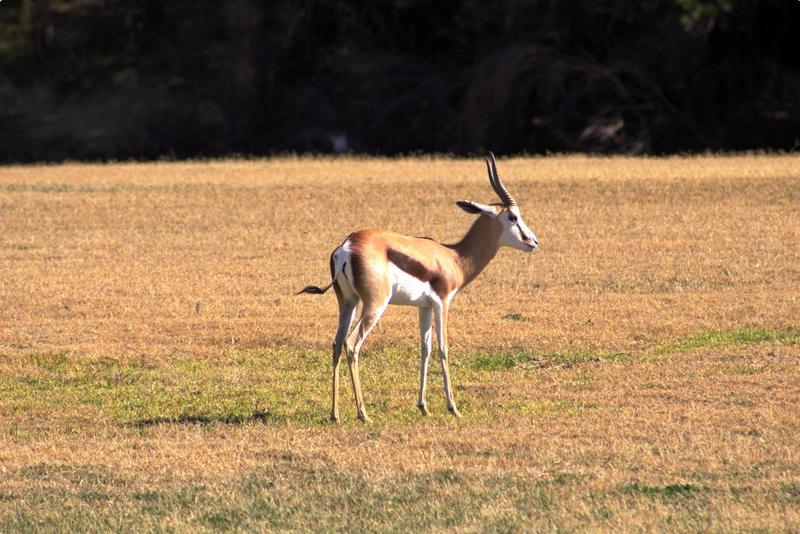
<point>512,218</point>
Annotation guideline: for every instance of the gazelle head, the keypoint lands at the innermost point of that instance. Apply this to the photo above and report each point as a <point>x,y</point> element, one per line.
<point>514,232</point>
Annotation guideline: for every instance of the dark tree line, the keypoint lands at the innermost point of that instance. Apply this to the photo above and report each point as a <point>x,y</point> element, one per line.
<point>147,78</point>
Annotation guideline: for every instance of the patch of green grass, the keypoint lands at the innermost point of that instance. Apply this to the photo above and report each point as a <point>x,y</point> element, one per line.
<point>743,370</point>
<point>554,408</point>
<point>504,361</point>
<point>655,385</point>
<point>242,387</point>
<point>237,390</point>
<point>93,496</point>
<point>223,519</point>
<point>562,479</point>
<point>292,387</point>
<point>87,188</point>
<point>515,317</point>
<point>792,490</point>
<point>574,358</point>
<point>276,387</point>
<point>39,188</point>
<point>446,476</point>
<point>72,473</point>
<point>288,493</point>
<point>740,336</point>
<point>147,496</point>
<point>670,492</point>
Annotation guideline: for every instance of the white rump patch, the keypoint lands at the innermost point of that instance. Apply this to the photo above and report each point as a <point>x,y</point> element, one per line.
<point>343,265</point>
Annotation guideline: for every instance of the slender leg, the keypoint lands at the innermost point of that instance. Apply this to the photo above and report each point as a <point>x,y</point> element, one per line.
<point>346,312</point>
<point>441,335</point>
<point>369,318</point>
<point>425,342</point>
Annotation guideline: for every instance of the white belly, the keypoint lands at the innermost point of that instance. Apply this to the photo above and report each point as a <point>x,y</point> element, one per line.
<point>408,290</point>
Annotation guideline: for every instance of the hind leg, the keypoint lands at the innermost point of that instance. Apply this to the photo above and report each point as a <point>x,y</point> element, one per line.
<point>347,310</point>
<point>348,302</point>
<point>369,318</point>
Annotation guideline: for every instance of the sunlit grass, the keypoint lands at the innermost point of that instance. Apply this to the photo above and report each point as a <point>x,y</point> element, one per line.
<point>284,387</point>
<point>286,494</point>
<point>739,336</point>
<point>639,372</point>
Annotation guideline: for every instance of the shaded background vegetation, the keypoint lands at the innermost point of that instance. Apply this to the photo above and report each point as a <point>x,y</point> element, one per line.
<point>146,78</point>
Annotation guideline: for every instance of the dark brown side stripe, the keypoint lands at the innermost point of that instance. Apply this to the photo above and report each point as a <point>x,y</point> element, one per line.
<point>419,271</point>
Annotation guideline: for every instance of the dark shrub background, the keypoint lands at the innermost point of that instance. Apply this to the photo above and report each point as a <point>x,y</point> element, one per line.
<point>100,79</point>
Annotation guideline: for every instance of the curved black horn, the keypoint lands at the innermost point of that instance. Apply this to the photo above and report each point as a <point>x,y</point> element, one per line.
<point>497,184</point>
<point>489,172</point>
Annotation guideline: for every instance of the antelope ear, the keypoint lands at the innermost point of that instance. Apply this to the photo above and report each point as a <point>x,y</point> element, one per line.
<point>475,208</point>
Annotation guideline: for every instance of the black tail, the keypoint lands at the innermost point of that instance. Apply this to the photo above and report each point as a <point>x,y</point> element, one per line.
<point>314,290</point>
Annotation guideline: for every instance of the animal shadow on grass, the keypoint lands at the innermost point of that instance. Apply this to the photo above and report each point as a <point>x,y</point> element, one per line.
<point>204,420</point>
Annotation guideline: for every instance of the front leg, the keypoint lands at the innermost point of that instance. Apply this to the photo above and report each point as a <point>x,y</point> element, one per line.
<point>440,309</point>
<point>425,343</point>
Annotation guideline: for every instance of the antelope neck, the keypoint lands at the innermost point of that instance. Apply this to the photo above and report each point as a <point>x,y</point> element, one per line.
<point>477,248</point>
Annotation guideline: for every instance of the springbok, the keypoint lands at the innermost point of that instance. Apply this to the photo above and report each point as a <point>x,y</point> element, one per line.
<point>378,268</point>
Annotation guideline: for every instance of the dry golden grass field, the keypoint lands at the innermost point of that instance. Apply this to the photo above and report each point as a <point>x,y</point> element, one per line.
<point>639,372</point>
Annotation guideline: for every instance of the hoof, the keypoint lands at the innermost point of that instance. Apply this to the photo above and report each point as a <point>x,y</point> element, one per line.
<point>363,417</point>
<point>423,408</point>
<point>334,417</point>
<point>453,410</point>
